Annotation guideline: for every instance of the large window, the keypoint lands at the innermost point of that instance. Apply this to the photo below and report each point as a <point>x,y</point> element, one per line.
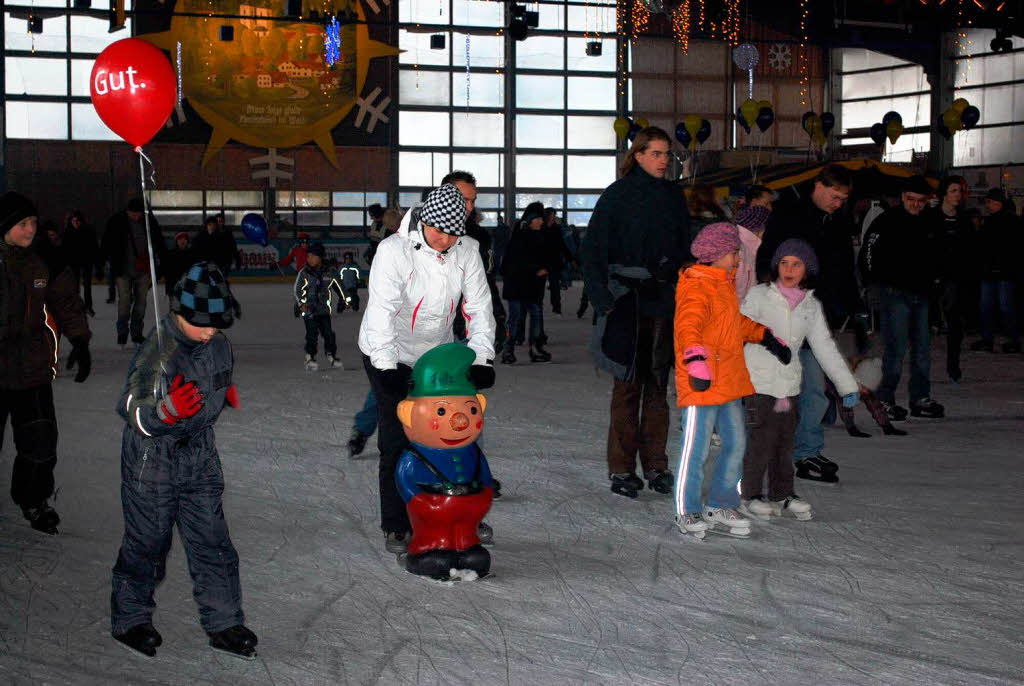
<point>47,74</point>
<point>873,84</point>
<point>454,112</point>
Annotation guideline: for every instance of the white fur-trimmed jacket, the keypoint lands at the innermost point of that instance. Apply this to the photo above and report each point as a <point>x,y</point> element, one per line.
<point>413,292</point>
<point>767,305</point>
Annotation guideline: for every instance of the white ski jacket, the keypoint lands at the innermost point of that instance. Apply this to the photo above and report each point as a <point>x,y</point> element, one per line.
<point>413,292</point>
<point>767,305</point>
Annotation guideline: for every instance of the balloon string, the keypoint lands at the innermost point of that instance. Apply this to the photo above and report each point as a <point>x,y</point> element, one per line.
<point>152,167</point>
<point>149,244</point>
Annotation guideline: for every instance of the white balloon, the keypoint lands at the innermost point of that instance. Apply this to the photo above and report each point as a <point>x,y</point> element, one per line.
<point>745,56</point>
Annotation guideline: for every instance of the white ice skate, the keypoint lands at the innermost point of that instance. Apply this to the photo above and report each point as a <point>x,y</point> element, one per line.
<point>756,508</point>
<point>335,362</point>
<point>726,521</point>
<point>311,365</point>
<point>793,505</point>
<point>692,524</point>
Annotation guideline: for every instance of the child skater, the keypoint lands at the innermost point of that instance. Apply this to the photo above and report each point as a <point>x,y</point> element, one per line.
<point>313,295</point>
<point>712,380</point>
<point>171,473</point>
<point>787,305</point>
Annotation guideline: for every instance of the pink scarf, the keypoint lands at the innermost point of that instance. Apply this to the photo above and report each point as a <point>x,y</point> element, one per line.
<point>794,296</point>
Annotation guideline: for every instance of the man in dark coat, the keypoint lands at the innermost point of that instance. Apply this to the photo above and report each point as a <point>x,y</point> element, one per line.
<point>637,240</point>
<point>124,245</point>
<point>1000,249</point>
<point>83,254</point>
<point>900,257</point>
<point>817,216</point>
<point>28,356</point>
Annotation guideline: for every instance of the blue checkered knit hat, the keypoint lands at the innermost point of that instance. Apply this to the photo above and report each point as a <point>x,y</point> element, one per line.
<point>203,298</point>
<point>445,210</point>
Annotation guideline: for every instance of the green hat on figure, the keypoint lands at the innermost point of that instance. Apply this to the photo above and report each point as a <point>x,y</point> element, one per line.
<point>443,370</point>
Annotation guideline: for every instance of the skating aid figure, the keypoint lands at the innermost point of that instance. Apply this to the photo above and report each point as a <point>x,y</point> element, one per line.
<point>443,476</point>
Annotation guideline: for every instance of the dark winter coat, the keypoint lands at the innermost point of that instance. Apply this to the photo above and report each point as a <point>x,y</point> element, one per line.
<point>176,263</point>
<point>639,221</point>
<point>218,247</point>
<point>525,255</point>
<point>898,252</point>
<point>796,216</point>
<point>81,247</point>
<point>952,237</point>
<point>315,289</point>
<point>1000,247</point>
<point>558,252</point>
<point>118,241</point>
<point>28,294</point>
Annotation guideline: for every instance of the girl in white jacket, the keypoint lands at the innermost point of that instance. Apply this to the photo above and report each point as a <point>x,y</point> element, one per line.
<point>788,307</point>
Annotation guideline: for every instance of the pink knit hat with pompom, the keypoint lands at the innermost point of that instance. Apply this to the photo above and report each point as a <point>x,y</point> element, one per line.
<point>715,241</point>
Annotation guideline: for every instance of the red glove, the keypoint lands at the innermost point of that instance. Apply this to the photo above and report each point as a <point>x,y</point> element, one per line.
<point>232,397</point>
<point>183,401</point>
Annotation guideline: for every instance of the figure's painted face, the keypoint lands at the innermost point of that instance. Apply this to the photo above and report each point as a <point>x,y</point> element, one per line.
<point>445,422</point>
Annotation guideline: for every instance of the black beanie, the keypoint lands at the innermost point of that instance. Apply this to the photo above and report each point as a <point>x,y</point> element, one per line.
<point>203,298</point>
<point>13,208</point>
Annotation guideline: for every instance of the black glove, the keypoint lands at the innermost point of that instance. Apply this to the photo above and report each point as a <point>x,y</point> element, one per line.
<point>482,376</point>
<point>80,356</point>
<point>396,381</point>
<point>776,347</point>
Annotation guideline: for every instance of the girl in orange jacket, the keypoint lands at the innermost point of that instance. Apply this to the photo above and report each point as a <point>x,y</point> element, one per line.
<point>712,379</point>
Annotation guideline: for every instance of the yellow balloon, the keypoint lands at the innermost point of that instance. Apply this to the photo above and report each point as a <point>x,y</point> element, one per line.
<point>959,105</point>
<point>762,104</point>
<point>815,127</point>
<point>894,130</point>
<point>642,122</point>
<point>693,123</point>
<point>951,118</point>
<point>819,139</point>
<point>621,127</point>
<point>750,109</point>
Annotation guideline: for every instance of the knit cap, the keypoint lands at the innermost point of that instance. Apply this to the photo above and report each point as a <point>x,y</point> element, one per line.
<point>13,208</point>
<point>318,249</point>
<point>752,217</point>
<point>796,248</point>
<point>533,211</point>
<point>715,241</point>
<point>180,234</point>
<point>203,298</point>
<point>445,210</point>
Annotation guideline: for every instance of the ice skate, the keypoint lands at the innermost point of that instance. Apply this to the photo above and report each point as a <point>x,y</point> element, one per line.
<point>928,408</point>
<point>396,542</point>
<point>485,533</point>
<point>142,638</point>
<point>660,480</point>
<point>539,354</point>
<point>726,521</point>
<point>496,488</point>
<point>334,362</point>
<point>757,508</point>
<point>508,357</point>
<point>42,518</point>
<point>894,412</point>
<point>626,483</point>
<point>855,432</point>
<point>237,641</point>
<point>692,523</point>
<point>817,468</point>
<point>357,442</point>
<point>890,430</point>
<point>793,505</point>
<point>311,365</point>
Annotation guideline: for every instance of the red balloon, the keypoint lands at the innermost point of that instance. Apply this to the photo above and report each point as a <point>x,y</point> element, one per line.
<point>133,89</point>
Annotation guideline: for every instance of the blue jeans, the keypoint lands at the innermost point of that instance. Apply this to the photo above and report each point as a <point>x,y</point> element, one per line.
<point>517,311</point>
<point>366,418</point>
<point>811,405</point>
<point>905,323</point>
<point>996,297</point>
<point>698,423</point>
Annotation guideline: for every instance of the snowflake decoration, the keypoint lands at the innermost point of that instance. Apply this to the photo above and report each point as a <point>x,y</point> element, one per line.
<point>332,42</point>
<point>780,56</point>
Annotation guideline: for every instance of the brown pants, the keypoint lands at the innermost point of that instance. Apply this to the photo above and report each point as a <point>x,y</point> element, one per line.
<point>769,448</point>
<point>639,411</point>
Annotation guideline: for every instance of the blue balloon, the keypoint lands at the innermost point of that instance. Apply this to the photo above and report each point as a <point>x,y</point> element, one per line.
<point>682,135</point>
<point>254,226</point>
<point>634,129</point>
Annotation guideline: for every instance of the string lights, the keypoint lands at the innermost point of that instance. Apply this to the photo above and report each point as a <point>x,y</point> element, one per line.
<point>641,16</point>
<point>805,81</point>
<point>681,26</point>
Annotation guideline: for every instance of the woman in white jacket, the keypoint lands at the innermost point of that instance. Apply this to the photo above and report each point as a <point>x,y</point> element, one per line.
<point>789,308</point>
<point>417,278</point>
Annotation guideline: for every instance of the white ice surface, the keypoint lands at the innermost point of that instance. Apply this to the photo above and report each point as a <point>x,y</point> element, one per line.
<point>910,572</point>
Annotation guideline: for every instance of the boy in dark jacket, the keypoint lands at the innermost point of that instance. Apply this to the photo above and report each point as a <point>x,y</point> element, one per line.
<point>313,296</point>
<point>28,355</point>
<point>177,261</point>
<point>171,472</point>
<point>526,269</point>
<point>350,276</point>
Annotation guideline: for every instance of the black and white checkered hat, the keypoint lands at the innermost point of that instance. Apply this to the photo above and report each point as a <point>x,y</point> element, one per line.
<point>203,298</point>
<point>445,210</point>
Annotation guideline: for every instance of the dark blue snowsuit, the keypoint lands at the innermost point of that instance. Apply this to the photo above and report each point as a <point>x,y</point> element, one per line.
<point>171,475</point>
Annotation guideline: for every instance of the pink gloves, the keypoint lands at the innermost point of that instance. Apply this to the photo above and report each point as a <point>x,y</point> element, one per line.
<point>697,367</point>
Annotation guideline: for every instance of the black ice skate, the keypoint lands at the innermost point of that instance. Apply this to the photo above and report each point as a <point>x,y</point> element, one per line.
<point>894,412</point>
<point>538,353</point>
<point>237,641</point>
<point>817,468</point>
<point>508,357</point>
<point>142,638</point>
<point>626,483</point>
<point>928,408</point>
<point>660,480</point>
<point>485,533</point>
<point>857,433</point>
<point>42,517</point>
<point>396,542</point>
<point>357,442</point>
<point>890,430</point>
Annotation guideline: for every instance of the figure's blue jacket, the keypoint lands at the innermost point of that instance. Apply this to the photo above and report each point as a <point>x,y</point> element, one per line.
<point>458,465</point>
